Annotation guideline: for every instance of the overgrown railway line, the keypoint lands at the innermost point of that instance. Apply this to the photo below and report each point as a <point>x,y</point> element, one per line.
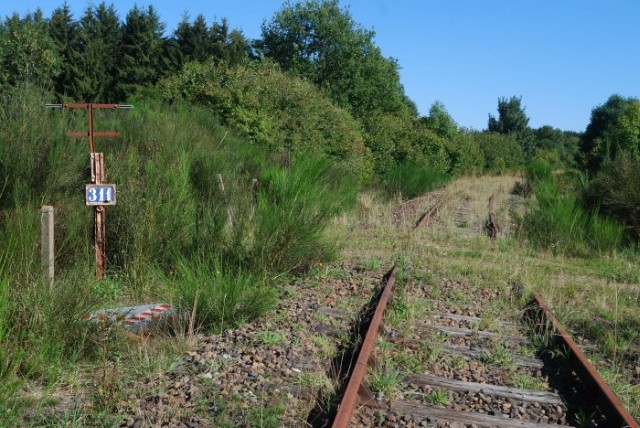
<point>468,368</point>
<point>457,346</point>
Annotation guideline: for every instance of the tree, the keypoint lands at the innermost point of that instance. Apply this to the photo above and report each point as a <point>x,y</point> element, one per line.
<point>27,52</point>
<point>512,120</point>
<point>230,47</point>
<point>614,127</point>
<point>65,33</point>
<point>142,49</point>
<point>319,41</point>
<point>100,34</point>
<point>441,122</point>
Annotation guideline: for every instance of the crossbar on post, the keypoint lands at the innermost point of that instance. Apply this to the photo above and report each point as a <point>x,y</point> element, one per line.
<point>97,172</point>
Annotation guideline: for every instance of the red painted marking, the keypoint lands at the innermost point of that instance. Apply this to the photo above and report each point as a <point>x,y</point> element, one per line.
<point>138,318</point>
<point>130,322</point>
<point>146,313</point>
<point>164,305</point>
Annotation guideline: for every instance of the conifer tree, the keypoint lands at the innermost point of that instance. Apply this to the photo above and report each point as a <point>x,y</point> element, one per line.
<point>142,49</point>
<point>65,33</point>
<point>100,38</point>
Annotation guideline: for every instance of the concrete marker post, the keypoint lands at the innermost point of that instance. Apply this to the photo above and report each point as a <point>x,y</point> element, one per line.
<point>47,251</point>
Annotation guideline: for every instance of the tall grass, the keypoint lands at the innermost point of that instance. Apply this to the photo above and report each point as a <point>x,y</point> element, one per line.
<point>8,382</point>
<point>295,206</point>
<point>218,298</point>
<point>558,221</point>
<point>411,179</point>
<point>221,252</point>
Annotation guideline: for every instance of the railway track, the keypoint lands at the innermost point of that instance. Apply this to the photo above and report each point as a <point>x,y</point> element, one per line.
<point>472,367</point>
<point>457,345</point>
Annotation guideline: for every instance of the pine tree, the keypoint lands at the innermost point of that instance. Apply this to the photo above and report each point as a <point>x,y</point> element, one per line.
<point>227,46</point>
<point>142,49</point>
<point>65,33</point>
<point>100,38</point>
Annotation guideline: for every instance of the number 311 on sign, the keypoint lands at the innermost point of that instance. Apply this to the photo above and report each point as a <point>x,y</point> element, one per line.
<point>100,194</point>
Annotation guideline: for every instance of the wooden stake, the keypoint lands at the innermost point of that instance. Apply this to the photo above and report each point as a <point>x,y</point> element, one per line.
<point>226,203</point>
<point>47,251</point>
<point>254,193</point>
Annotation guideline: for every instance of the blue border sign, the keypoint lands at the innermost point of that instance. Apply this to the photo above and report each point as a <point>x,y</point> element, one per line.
<point>100,194</point>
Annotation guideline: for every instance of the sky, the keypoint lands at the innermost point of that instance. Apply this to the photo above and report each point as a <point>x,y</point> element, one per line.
<point>563,57</point>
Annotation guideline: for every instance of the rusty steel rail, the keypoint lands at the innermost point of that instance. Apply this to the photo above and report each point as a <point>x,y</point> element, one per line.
<point>607,399</point>
<point>345,410</point>
<point>431,214</point>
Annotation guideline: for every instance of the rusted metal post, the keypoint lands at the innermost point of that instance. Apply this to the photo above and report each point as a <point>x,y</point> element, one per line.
<point>47,244</point>
<point>97,160</point>
<point>97,172</point>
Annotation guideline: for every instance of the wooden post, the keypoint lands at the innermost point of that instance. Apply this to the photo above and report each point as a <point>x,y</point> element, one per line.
<point>47,244</point>
<point>492,228</point>
<point>254,193</point>
<point>226,203</point>
<point>97,163</point>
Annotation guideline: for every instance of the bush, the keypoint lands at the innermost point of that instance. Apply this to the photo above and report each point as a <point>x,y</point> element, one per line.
<point>411,179</point>
<point>500,152</point>
<point>295,206</point>
<point>559,222</point>
<point>539,171</point>
<point>616,190</point>
<point>274,110</point>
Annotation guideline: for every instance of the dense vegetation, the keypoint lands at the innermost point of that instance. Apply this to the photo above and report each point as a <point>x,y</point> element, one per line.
<point>312,109</point>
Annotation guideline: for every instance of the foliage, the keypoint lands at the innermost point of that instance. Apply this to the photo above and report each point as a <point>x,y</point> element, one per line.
<point>252,100</point>
<point>98,58</point>
<point>141,50</point>
<point>466,155</point>
<point>500,152</point>
<point>197,41</point>
<point>319,41</point>
<point>539,171</point>
<point>27,53</point>
<point>294,207</point>
<point>615,189</point>
<point>614,127</point>
<point>441,122</point>
<point>101,35</point>
<point>512,120</point>
<point>411,179</point>
<point>558,146</point>
<point>557,220</point>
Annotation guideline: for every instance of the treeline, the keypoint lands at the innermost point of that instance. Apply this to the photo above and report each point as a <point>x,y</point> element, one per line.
<point>314,81</point>
<point>358,107</point>
<point>99,58</point>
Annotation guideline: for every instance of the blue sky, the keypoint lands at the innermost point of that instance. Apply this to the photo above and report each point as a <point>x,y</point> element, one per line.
<point>564,57</point>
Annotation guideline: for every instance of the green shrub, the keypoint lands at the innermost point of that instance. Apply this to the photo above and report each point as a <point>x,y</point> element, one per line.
<point>274,110</point>
<point>295,206</point>
<point>8,381</point>
<point>411,179</point>
<point>616,190</point>
<point>500,152</point>
<point>559,222</point>
<point>539,170</point>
